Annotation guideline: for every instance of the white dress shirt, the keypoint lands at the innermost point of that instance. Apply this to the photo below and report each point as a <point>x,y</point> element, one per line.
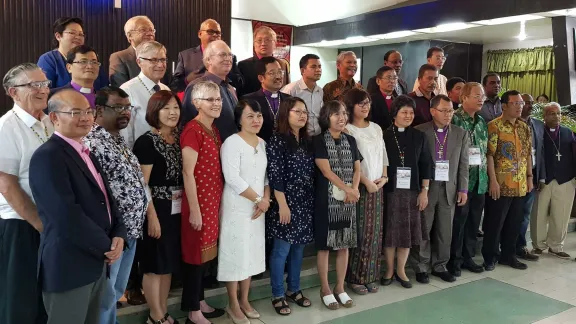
<point>20,135</point>
<point>139,90</point>
<point>370,141</point>
<point>441,85</point>
<point>313,99</point>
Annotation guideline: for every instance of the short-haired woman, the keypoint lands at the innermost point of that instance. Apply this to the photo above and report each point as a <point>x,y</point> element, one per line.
<point>337,180</point>
<point>246,197</point>
<point>160,157</point>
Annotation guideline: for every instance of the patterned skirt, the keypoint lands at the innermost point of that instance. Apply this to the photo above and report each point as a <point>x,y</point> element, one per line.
<point>364,263</point>
<point>404,222</point>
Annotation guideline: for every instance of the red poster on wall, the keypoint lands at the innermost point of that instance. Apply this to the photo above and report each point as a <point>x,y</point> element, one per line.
<point>283,38</point>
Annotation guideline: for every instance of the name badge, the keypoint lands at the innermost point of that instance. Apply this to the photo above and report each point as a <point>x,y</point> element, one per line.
<point>533,157</point>
<point>442,172</point>
<point>474,157</point>
<point>403,178</point>
<point>176,201</point>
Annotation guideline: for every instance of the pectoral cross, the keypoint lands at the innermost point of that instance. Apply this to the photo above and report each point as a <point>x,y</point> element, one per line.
<point>558,155</point>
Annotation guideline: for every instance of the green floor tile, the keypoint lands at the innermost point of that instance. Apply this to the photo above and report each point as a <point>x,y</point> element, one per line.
<point>480,302</point>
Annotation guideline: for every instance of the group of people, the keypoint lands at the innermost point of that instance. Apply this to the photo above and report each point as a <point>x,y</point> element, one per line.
<point>107,175</point>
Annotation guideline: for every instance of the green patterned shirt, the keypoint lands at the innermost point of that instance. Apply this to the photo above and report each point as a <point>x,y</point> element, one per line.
<point>478,131</point>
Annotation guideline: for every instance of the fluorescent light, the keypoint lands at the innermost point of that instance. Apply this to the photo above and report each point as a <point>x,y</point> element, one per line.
<point>522,36</point>
<point>446,28</point>
<point>325,43</point>
<point>358,39</point>
<point>565,12</point>
<point>507,20</point>
<point>398,34</point>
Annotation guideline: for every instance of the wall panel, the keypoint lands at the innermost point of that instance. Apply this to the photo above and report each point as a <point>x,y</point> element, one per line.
<point>26,26</point>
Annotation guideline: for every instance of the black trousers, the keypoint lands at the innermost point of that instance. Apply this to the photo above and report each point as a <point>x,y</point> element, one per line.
<point>193,289</point>
<point>465,228</point>
<point>502,221</point>
<point>20,292</point>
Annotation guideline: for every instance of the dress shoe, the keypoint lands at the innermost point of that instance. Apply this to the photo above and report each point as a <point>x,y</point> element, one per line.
<point>537,251</point>
<point>524,254</point>
<point>560,254</point>
<point>514,263</point>
<point>135,297</point>
<point>405,283</point>
<point>444,275</point>
<point>473,267</point>
<point>455,271</point>
<point>217,312</point>
<point>422,277</point>
<point>489,266</point>
<point>385,282</point>
<point>118,304</point>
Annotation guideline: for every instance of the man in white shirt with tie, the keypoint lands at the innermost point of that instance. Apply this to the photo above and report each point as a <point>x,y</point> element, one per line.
<point>151,58</point>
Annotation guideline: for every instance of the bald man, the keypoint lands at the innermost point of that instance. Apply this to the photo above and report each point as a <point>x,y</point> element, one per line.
<point>190,65</point>
<point>83,232</point>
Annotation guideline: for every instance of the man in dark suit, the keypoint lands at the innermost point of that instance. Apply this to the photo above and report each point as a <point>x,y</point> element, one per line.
<point>123,66</point>
<point>83,232</point>
<point>449,148</point>
<point>264,45</point>
<point>270,75</point>
<point>383,97</point>
<point>190,65</point>
<point>392,59</point>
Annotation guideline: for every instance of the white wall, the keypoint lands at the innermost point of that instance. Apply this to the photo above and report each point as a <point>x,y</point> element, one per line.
<point>327,59</point>
<point>241,39</point>
<point>512,45</point>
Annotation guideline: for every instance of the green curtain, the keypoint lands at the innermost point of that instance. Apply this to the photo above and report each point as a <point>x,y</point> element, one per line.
<point>526,70</point>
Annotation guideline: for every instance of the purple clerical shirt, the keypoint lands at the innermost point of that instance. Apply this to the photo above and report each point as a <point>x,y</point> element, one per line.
<point>274,102</point>
<point>441,136</point>
<point>88,93</point>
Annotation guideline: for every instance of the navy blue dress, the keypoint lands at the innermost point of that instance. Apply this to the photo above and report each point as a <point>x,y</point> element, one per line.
<point>291,170</point>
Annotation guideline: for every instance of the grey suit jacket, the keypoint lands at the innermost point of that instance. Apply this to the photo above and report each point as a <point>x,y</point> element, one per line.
<point>457,144</point>
<point>123,66</point>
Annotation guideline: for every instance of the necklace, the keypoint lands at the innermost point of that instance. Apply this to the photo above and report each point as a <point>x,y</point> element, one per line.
<point>42,140</point>
<point>558,155</point>
<point>210,132</point>
<point>400,151</point>
<point>441,145</point>
<point>274,114</point>
<point>142,82</point>
<point>167,138</point>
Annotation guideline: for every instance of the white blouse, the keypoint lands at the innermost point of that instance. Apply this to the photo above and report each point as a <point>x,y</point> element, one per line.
<point>370,142</point>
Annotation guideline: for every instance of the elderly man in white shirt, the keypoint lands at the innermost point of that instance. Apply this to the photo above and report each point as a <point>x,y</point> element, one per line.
<point>22,130</point>
<point>307,90</point>
<point>435,56</point>
<point>151,57</point>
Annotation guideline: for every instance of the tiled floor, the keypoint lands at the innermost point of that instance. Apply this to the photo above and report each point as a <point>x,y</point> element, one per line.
<point>543,294</point>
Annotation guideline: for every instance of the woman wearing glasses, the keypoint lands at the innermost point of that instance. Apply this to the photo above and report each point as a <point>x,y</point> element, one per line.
<point>364,264</point>
<point>160,157</point>
<point>289,219</point>
<point>68,33</point>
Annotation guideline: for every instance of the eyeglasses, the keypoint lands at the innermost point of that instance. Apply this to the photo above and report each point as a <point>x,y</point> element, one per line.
<point>120,109</point>
<point>77,113</point>
<point>364,103</point>
<point>35,84</point>
<point>212,32</point>
<point>300,113</point>
<point>155,60</point>
<point>145,30</point>
<point>275,73</point>
<point>517,103</point>
<point>445,112</point>
<point>85,63</point>
<point>74,33</point>
<point>225,56</point>
<point>439,57</point>
<point>390,78</point>
<point>479,97</point>
<point>264,41</point>
<point>212,100</point>
<point>396,62</point>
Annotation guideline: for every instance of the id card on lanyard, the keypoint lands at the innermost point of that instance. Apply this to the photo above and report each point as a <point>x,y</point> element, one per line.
<point>176,200</point>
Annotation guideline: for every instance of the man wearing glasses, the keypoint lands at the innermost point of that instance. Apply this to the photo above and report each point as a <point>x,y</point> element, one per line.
<point>190,62</point>
<point>264,45</point>
<point>435,56</point>
<point>449,148</point>
<point>22,130</point>
<point>152,62</point>
<point>127,184</point>
<point>83,65</point>
<point>392,59</point>
<point>510,179</point>
<point>123,66</point>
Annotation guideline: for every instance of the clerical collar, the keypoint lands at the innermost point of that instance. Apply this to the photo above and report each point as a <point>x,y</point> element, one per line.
<point>400,129</point>
<point>79,88</point>
<point>386,96</point>
<point>553,129</point>
<point>440,130</point>
<point>270,94</point>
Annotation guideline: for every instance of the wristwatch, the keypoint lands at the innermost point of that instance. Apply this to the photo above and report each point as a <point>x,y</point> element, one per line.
<point>257,200</point>
<point>425,188</point>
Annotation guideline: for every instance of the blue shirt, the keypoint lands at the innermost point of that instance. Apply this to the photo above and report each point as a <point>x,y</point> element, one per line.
<point>54,65</point>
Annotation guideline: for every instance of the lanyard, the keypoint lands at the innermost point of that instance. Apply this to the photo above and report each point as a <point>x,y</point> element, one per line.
<point>400,151</point>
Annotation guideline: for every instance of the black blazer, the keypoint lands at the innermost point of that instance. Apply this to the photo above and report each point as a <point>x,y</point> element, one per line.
<point>77,229</point>
<point>251,83</point>
<point>537,128</point>
<point>268,125</point>
<point>379,111</point>
<point>416,156</point>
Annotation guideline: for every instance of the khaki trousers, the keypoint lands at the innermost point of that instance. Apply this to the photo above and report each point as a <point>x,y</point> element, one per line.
<point>551,214</point>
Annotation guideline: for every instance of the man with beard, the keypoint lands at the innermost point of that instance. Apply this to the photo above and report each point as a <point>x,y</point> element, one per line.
<point>83,65</point>
<point>492,107</point>
<point>271,75</point>
<point>510,179</point>
<point>427,84</point>
<point>347,65</point>
<point>307,89</point>
<point>392,59</point>
<point>126,182</point>
<point>435,56</point>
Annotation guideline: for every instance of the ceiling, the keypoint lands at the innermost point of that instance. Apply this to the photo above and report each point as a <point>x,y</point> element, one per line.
<point>306,12</point>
